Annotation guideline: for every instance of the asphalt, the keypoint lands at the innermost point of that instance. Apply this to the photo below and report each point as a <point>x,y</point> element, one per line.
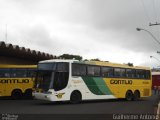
<point>102,109</point>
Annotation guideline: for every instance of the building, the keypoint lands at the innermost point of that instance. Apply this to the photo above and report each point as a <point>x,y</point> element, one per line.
<point>14,54</point>
<point>155,79</point>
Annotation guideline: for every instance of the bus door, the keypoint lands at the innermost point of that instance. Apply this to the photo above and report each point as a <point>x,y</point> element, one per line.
<point>61,76</point>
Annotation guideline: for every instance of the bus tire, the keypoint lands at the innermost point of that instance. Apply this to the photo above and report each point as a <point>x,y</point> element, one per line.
<point>28,94</point>
<point>75,97</point>
<point>129,95</point>
<point>16,94</point>
<point>136,95</point>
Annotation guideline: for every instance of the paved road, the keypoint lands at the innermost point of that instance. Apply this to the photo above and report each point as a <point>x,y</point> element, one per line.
<point>144,106</point>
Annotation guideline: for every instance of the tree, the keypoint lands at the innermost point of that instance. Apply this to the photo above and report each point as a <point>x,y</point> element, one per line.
<point>68,56</point>
<point>96,59</point>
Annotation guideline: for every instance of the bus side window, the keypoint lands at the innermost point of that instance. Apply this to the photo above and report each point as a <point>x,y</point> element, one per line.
<point>63,67</point>
<point>140,74</point>
<point>119,72</point>
<point>130,73</point>
<point>78,69</point>
<point>147,74</point>
<point>137,74</point>
<point>107,71</point>
<point>96,71</point>
<point>93,70</point>
<point>4,72</point>
<point>31,73</point>
<point>18,72</point>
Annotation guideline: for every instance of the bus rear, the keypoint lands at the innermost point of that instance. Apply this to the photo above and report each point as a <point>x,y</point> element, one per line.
<point>17,80</point>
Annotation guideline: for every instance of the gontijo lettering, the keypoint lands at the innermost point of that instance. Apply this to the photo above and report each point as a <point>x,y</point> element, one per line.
<point>121,82</point>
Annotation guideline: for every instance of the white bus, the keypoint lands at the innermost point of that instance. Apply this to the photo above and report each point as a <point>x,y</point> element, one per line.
<point>72,80</point>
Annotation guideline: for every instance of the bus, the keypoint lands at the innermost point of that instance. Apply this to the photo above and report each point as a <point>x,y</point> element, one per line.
<point>75,81</point>
<point>17,81</point>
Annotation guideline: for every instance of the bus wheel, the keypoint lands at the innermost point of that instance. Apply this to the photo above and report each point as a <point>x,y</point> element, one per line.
<point>129,95</point>
<point>28,94</point>
<point>136,95</point>
<point>76,97</point>
<point>16,94</point>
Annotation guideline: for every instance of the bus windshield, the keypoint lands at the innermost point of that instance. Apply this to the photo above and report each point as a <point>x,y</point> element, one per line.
<point>52,76</point>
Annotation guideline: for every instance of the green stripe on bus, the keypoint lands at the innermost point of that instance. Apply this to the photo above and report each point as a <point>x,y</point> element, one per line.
<point>92,86</point>
<point>102,86</point>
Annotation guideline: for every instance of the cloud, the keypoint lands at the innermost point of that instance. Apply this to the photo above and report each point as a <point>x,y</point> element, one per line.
<point>104,29</point>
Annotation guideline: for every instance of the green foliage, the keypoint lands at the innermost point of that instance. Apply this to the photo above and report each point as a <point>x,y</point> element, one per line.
<point>68,56</point>
<point>96,59</point>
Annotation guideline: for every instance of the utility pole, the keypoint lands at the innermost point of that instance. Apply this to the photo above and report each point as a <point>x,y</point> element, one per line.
<point>6,34</point>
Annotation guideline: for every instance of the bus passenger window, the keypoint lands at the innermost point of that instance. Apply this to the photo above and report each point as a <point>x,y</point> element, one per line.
<point>140,74</point>
<point>4,73</point>
<point>130,73</point>
<point>119,72</point>
<point>147,74</point>
<point>63,67</point>
<point>31,73</point>
<point>93,70</point>
<point>18,72</point>
<point>107,71</point>
<point>78,69</point>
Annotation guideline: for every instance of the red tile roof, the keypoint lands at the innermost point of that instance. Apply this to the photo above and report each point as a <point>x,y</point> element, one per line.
<point>10,50</point>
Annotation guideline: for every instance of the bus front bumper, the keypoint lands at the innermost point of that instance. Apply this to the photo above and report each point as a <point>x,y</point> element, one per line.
<point>44,96</point>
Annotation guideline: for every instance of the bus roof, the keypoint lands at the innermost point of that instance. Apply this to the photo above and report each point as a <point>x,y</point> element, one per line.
<point>100,63</point>
<point>104,63</point>
<point>58,60</point>
<point>18,66</point>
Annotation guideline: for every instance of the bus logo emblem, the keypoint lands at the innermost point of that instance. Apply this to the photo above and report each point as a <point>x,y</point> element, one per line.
<point>59,95</point>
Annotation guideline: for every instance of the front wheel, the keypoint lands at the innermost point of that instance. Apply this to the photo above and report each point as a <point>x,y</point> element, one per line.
<point>76,97</point>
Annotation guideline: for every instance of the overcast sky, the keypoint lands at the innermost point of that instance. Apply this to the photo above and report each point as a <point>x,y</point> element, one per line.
<point>104,29</point>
